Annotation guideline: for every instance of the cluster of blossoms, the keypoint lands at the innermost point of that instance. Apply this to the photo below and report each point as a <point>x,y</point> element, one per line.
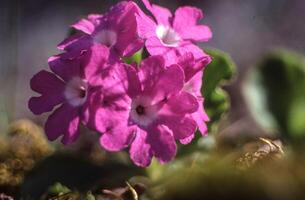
<point>145,107</point>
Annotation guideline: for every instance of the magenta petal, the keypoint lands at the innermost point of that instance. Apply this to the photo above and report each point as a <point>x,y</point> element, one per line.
<point>186,17</point>
<point>200,33</point>
<point>51,89</point>
<point>161,14</point>
<point>140,150</point>
<point>75,44</point>
<point>182,103</point>
<point>46,82</point>
<point>182,127</point>
<point>64,121</point>
<point>95,62</point>
<point>65,68</point>
<point>42,104</point>
<point>133,47</point>
<point>162,143</point>
<point>118,137</point>
<point>84,25</point>
<point>128,41</point>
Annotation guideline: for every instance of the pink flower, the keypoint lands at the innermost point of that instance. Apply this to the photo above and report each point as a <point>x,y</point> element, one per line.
<point>172,36</point>
<point>70,85</point>
<point>193,70</point>
<point>155,113</point>
<point>117,29</point>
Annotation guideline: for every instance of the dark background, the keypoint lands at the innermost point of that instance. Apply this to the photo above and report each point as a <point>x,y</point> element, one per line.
<point>246,29</point>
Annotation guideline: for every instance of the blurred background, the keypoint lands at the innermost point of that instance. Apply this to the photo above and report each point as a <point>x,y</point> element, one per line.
<point>246,29</point>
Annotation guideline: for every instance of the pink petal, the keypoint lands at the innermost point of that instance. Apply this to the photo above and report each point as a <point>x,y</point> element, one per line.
<point>64,121</point>
<point>201,118</point>
<point>150,68</point>
<point>121,20</point>
<point>118,137</point>
<point>100,106</point>
<point>140,150</point>
<point>170,82</point>
<point>161,14</point>
<point>155,47</point>
<point>185,23</point>
<point>52,90</point>
<point>121,79</point>
<point>113,110</point>
<point>160,82</point>
<point>162,143</point>
<point>191,66</point>
<point>188,47</point>
<point>145,25</point>
<point>187,140</point>
<point>95,18</point>
<point>194,85</point>
<point>173,115</point>
<point>84,25</point>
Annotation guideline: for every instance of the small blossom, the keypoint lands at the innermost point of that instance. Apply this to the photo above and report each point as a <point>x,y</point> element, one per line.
<point>193,70</point>
<point>70,85</point>
<point>117,30</point>
<point>155,112</point>
<point>172,36</point>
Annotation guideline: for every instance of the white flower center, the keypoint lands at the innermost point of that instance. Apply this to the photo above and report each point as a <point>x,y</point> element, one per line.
<point>76,91</point>
<point>106,37</point>
<point>142,112</point>
<point>168,36</point>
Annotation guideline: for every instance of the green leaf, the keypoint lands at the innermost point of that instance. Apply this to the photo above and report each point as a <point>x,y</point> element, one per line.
<point>277,90</point>
<point>216,75</point>
<point>58,188</point>
<point>135,58</point>
<point>90,196</point>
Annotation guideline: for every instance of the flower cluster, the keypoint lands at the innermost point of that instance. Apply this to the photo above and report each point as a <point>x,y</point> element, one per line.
<point>145,107</point>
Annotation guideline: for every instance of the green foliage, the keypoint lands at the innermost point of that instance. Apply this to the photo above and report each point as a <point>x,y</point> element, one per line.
<point>276,93</point>
<point>58,189</point>
<point>217,74</point>
<point>135,58</point>
<point>90,196</point>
